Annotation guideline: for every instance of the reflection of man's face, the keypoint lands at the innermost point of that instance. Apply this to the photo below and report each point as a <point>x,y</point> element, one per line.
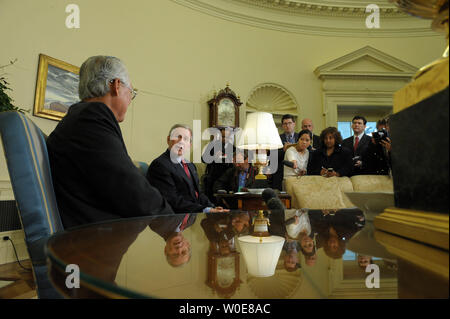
<point>333,244</point>
<point>307,244</point>
<point>240,222</point>
<point>179,141</point>
<point>178,249</point>
<point>291,259</point>
<point>364,261</point>
<point>311,260</point>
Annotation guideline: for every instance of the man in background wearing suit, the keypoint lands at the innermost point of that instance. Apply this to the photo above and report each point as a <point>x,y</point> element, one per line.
<point>238,178</point>
<point>357,143</point>
<point>307,124</point>
<point>288,138</point>
<point>176,178</point>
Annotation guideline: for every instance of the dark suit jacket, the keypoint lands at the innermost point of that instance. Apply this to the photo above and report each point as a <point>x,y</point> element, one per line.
<point>217,218</point>
<point>93,176</point>
<point>215,169</point>
<point>361,151</point>
<point>376,161</point>
<point>165,226</point>
<point>173,183</point>
<point>229,181</point>
<point>316,141</point>
<point>362,145</point>
<point>340,161</point>
<point>284,138</point>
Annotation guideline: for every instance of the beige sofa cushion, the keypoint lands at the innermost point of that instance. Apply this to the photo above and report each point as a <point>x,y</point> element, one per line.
<point>372,183</point>
<point>289,185</point>
<point>317,192</point>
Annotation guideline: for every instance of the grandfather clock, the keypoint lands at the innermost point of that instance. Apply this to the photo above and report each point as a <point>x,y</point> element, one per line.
<point>224,109</point>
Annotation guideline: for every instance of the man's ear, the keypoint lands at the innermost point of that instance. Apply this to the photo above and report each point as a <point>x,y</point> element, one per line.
<point>114,87</point>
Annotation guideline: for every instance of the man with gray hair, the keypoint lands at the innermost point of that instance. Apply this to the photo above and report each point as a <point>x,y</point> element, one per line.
<point>93,176</point>
<point>176,178</point>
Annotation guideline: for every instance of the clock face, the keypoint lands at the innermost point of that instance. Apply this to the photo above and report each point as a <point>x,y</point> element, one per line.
<point>225,271</point>
<point>226,113</point>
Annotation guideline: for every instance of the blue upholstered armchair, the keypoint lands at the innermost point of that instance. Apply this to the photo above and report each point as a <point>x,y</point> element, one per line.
<point>29,171</point>
<point>142,166</point>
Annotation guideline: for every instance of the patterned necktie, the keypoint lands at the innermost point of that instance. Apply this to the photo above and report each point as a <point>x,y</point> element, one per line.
<point>356,143</point>
<point>186,170</point>
<point>291,139</point>
<point>183,224</point>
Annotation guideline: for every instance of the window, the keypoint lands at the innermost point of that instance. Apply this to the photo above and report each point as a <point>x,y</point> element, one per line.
<point>346,128</point>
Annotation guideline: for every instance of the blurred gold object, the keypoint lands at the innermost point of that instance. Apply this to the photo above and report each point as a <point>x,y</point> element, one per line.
<point>260,225</point>
<point>433,77</point>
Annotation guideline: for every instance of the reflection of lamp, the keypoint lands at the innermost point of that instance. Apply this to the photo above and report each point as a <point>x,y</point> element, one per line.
<point>261,251</point>
<point>260,134</point>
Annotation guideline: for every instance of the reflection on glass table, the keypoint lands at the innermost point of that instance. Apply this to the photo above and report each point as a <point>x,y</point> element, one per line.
<point>157,257</point>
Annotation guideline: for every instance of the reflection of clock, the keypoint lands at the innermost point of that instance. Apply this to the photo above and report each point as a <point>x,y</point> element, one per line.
<point>224,109</point>
<point>223,273</point>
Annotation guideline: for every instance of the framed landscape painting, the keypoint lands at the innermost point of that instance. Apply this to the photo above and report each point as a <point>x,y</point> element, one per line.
<point>56,88</point>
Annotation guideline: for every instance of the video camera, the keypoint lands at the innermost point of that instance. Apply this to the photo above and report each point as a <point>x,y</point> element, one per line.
<point>381,135</point>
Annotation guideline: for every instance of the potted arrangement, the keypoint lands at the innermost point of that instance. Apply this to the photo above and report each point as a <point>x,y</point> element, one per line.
<point>5,100</point>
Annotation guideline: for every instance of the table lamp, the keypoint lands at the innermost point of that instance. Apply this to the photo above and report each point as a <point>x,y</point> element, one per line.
<point>259,134</point>
<point>261,250</point>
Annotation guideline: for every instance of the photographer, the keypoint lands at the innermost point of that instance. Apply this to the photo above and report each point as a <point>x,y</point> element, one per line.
<point>377,160</point>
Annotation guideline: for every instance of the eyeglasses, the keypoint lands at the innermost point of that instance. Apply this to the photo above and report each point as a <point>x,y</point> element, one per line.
<point>132,91</point>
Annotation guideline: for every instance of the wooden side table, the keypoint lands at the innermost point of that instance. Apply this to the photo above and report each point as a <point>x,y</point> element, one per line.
<point>249,201</point>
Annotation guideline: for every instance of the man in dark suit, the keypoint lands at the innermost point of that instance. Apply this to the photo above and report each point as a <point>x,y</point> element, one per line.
<point>288,138</point>
<point>239,177</point>
<point>176,178</point>
<point>357,143</point>
<point>219,157</point>
<point>307,124</point>
<point>93,176</point>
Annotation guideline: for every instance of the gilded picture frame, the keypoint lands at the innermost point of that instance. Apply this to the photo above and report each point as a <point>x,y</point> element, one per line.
<point>56,88</point>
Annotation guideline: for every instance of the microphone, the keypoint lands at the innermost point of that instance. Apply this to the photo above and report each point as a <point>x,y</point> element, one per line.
<point>272,201</point>
<point>288,163</point>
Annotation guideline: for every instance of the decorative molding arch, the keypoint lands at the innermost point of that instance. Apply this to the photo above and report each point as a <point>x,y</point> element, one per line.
<point>365,77</point>
<point>322,18</point>
<point>272,98</point>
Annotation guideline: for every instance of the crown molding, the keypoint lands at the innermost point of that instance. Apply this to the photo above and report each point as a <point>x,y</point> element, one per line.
<point>306,18</point>
<point>351,9</point>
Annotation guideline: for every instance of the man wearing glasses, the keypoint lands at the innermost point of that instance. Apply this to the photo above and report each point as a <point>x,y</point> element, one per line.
<point>176,178</point>
<point>93,176</point>
<point>288,138</point>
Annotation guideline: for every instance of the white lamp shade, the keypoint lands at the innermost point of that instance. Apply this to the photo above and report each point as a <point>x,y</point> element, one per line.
<point>261,258</point>
<point>259,132</point>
